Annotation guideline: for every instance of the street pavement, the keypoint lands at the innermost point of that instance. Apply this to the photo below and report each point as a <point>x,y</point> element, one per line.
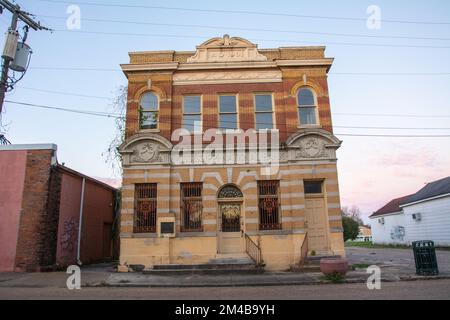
<point>411,290</point>
<point>399,261</point>
<point>102,281</point>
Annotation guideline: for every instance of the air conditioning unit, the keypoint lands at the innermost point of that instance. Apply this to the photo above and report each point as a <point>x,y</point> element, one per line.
<point>381,221</point>
<point>417,216</point>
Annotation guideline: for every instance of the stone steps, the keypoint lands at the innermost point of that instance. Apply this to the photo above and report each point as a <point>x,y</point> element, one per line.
<point>315,260</point>
<point>219,265</point>
<point>312,263</point>
<point>175,272</point>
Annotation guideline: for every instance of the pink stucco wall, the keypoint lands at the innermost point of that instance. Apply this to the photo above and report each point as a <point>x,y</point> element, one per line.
<point>69,215</point>
<point>12,176</point>
<point>96,241</point>
<point>96,231</point>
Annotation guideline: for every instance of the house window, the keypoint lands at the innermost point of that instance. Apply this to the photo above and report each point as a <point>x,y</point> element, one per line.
<point>192,113</point>
<point>191,206</point>
<point>312,187</point>
<point>145,208</point>
<point>264,111</point>
<point>228,112</point>
<point>268,204</point>
<point>307,107</point>
<point>149,107</point>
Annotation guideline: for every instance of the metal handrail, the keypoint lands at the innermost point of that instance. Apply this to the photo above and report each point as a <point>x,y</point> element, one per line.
<point>303,251</point>
<point>253,250</point>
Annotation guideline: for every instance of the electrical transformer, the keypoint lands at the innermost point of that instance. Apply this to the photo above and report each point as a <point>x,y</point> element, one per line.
<point>9,51</point>
<point>20,62</point>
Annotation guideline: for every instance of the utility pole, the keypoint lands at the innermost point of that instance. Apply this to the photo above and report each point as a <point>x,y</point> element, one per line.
<point>12,37</point>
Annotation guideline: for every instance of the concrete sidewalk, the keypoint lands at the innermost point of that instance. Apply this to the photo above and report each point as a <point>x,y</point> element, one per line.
<point>395,265</point>
<point>98,278</point>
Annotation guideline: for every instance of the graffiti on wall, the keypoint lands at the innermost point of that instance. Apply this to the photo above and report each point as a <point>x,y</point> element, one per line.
<point>398,233</point>
<point>69,240</point>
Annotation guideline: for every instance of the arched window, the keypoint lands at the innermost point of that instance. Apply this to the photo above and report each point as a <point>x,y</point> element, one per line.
<point>229,191</point>
<point>149,107</point>
<point>307,107</point>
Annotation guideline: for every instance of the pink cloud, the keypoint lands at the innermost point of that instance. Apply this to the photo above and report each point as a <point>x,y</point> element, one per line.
<point>386,170</point>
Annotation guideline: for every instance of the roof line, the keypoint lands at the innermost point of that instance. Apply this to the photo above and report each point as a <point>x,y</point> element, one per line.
<point>24,147</point>
<point>79,174</point>
<point>386,214</point>
<point>407,204</point>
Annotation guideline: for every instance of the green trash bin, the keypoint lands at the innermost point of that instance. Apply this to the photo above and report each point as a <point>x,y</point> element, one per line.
<point>425,258</point>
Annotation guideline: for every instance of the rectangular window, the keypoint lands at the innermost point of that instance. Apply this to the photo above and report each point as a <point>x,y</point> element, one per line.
<point>145,208</point>
<point>268,205</point>
<point>192,113</point>
<point>191,206</point>
<point>228,112</point>
<point>312,187</point>
<point>264,111</point>
<point>308,115</point>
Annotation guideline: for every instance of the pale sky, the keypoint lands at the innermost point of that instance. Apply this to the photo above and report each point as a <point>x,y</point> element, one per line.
<point>372,170</point>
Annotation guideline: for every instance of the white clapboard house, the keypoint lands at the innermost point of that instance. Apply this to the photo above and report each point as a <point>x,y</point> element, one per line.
<point>424,215</point>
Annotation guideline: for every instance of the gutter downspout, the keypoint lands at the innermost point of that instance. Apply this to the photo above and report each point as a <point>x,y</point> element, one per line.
<point>80,223</point>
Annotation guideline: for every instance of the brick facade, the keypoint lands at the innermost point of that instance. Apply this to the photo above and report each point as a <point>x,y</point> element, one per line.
<point>230,66</point>
<point>42,211</point>
<point>36,229</point>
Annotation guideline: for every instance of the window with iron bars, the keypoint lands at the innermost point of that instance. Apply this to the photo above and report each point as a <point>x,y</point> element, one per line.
<point>268,204</point>
<point>145,208</point>
<point>191,206</point>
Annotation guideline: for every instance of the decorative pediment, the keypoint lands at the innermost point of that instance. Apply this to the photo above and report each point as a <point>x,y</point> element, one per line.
<point>146,149</point>
<point>227,49</point>
<point>311,144</point>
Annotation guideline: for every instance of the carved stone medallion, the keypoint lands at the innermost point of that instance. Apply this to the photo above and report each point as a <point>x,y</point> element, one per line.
<point>146,152</point>
<point>312,148</point>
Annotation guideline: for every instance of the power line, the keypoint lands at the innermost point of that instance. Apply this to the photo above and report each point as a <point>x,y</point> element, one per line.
<point>390,128</point>
<point>12,46</point>
<point>393,136</point>
<point>250,29</point>
<point>64,93</point>
<point>341,114</point>
<point>255,39</point>
<point>117,116</point>
<point>76,69</point>
<point>335,126</point>
<point>330,73</point>
<point>390,73</point>
<point>263,13</point>
<point>391,115</point>
<point>87,112</point>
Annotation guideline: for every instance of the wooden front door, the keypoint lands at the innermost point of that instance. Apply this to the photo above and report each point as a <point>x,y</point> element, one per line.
<point>316,225</point>
<point>230,236</point>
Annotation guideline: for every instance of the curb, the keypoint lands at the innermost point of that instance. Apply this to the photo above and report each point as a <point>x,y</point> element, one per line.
<point>260,284</point>
<point>306,282</point>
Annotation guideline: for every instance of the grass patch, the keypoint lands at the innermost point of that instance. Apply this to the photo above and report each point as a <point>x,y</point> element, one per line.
<point>334,278</point>
<point>360,266</point>
<point>369,244</point>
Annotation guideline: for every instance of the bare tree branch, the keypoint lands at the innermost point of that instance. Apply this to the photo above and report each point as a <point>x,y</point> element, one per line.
<point>112,155</point>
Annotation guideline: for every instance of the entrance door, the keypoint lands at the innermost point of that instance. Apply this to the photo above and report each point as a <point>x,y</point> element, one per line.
<point>316,225</point>
<point>230,235</point>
